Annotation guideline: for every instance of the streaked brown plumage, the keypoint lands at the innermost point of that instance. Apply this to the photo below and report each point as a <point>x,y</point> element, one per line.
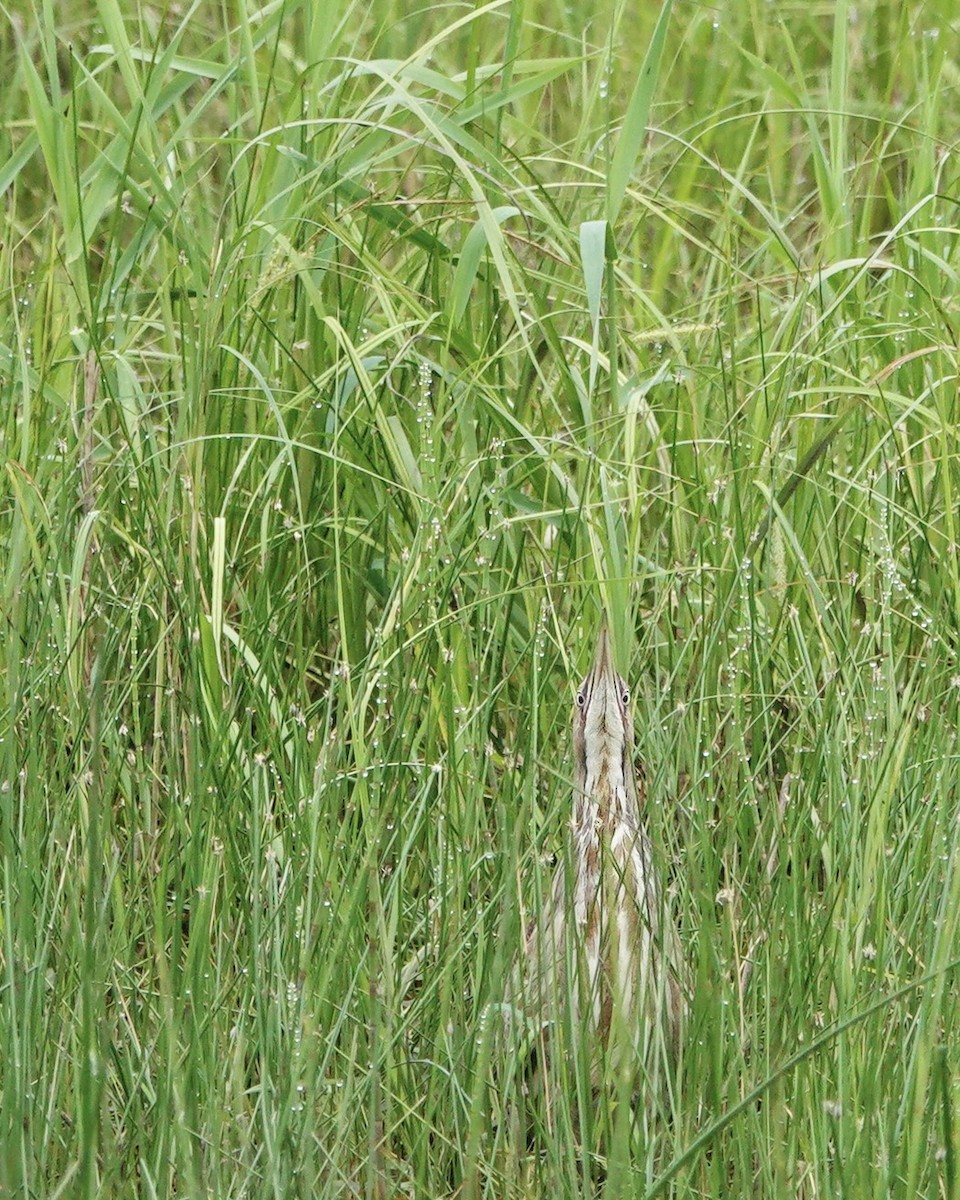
<point>604,958</point>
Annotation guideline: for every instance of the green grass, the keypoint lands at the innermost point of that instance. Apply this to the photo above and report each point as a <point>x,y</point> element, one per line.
<point>353,364</point>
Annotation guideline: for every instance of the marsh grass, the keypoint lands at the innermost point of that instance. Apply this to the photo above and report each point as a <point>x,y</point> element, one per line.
<point>334,417</point>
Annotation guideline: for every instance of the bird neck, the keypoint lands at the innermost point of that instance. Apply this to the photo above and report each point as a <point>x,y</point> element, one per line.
<point>606,793</point>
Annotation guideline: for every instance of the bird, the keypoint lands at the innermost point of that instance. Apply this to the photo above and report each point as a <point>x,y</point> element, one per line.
<point>603,960</point>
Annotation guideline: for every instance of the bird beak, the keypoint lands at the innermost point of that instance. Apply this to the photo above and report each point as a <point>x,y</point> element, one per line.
<point>603,663</point>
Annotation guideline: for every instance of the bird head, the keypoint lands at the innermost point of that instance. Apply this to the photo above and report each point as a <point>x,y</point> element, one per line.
<point>603,727</point>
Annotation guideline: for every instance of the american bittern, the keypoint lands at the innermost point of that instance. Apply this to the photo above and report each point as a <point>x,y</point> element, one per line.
<point>604,946</point>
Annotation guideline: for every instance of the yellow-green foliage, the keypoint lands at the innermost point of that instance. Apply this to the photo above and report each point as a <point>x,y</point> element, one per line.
<point>354,359</point>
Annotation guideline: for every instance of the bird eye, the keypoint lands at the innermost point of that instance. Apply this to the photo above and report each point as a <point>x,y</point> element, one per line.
<point>581,699</point>
<point>625,695</point>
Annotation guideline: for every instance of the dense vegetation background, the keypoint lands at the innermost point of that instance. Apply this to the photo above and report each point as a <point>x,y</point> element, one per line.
<point>353,362</point>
